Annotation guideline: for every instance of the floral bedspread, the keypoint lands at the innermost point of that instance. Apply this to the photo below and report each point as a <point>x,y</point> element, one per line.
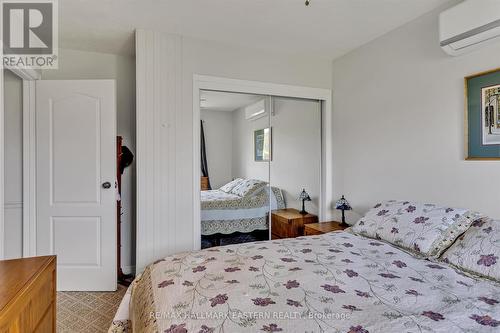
<point>220,200</point>
<point>338,282</point>
<point>226,213</point>
<point>215,199</point>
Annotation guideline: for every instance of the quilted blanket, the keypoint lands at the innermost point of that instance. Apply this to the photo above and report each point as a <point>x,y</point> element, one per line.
<point>337,282</point>
<point>226,213</point>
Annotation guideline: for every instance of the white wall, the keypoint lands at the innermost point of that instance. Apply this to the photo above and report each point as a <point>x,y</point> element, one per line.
<point>218,127</point>
<point>244,164</point>
<point>296,163</point>
<point>296,149</point>
<point>165,206</point>
<point>76,65</point>
<point>399,123</point>
<point>13,183</point>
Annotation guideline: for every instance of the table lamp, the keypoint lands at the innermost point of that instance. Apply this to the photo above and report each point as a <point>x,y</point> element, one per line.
<point>304,196</point>
<point>343,205</point>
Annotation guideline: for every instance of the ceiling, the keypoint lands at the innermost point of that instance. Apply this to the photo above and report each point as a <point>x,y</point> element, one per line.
<point>225,101</point>
<point>327,28</point>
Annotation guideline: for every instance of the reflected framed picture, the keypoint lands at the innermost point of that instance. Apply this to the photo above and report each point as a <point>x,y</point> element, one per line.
<point>262,145</point>
<point>482,116</point>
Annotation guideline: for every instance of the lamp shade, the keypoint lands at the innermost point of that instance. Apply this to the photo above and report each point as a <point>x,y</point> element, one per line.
<point>343,204</point>
<point>304,195</point>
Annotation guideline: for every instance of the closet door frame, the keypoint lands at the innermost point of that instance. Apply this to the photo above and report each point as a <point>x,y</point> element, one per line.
<point>205,82</point>
<point>29,76</point>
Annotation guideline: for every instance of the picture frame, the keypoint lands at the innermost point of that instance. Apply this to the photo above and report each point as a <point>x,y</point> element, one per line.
<point>262,143</point>
<point>482,116</point>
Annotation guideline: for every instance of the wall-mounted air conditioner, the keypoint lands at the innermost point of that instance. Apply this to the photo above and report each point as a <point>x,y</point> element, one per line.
<point>469,25</point>
<point>256,110</point>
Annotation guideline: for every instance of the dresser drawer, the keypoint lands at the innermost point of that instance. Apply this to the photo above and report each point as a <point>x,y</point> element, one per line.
<point>46,325</point>
<point>28,292</point>
<point>42,298</point>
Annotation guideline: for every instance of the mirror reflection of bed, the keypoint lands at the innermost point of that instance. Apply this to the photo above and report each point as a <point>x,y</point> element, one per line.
<point>257,154</point>
<point>229,218</point>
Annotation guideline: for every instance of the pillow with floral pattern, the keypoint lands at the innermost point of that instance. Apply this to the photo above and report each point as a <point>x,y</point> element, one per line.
<point>478,250</point>
<point>248,187</point>
<point>424,229</point>
<point>229,186</point>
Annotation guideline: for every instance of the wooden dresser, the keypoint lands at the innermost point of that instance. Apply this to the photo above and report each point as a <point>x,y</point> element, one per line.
<point>289,223</point>
<point>28,295</point>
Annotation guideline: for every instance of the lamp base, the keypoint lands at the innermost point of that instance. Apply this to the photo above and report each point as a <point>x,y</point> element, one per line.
<point>343,224</point>
<point>303,212</point>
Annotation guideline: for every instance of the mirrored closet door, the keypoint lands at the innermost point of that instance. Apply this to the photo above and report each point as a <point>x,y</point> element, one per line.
<point>295,168</point>
<point>260,166</point>
<point>235,156</point>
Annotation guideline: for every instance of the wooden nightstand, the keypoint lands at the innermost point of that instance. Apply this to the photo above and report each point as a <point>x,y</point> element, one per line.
<point>204,184</point>
<point>322,228</point>
<point>289,223</point>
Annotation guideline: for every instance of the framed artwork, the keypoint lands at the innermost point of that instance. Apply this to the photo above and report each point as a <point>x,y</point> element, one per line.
<point>482,116</point>
<point>262,145</point>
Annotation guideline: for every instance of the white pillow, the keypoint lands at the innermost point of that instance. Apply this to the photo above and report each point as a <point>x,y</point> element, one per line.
<point>248,187</point>
<point>425,229</point>
<point>478,250</point>
<point>229,186</point>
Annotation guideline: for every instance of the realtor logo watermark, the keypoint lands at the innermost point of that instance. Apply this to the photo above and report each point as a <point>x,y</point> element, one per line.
<point>29,34</point>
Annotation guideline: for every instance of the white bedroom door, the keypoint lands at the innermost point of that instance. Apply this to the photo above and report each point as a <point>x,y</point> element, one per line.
<point>75,186</point>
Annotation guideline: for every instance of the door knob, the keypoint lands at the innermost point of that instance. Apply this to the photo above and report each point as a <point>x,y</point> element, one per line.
<point>106,185</point>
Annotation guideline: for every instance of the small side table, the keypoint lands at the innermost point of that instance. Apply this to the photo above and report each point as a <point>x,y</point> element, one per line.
<point>322,228</point>
<point>289,223</point>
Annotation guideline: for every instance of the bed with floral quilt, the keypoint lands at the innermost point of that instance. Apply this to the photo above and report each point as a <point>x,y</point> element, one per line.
<point>226,212</point>
<point>337,282</point>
